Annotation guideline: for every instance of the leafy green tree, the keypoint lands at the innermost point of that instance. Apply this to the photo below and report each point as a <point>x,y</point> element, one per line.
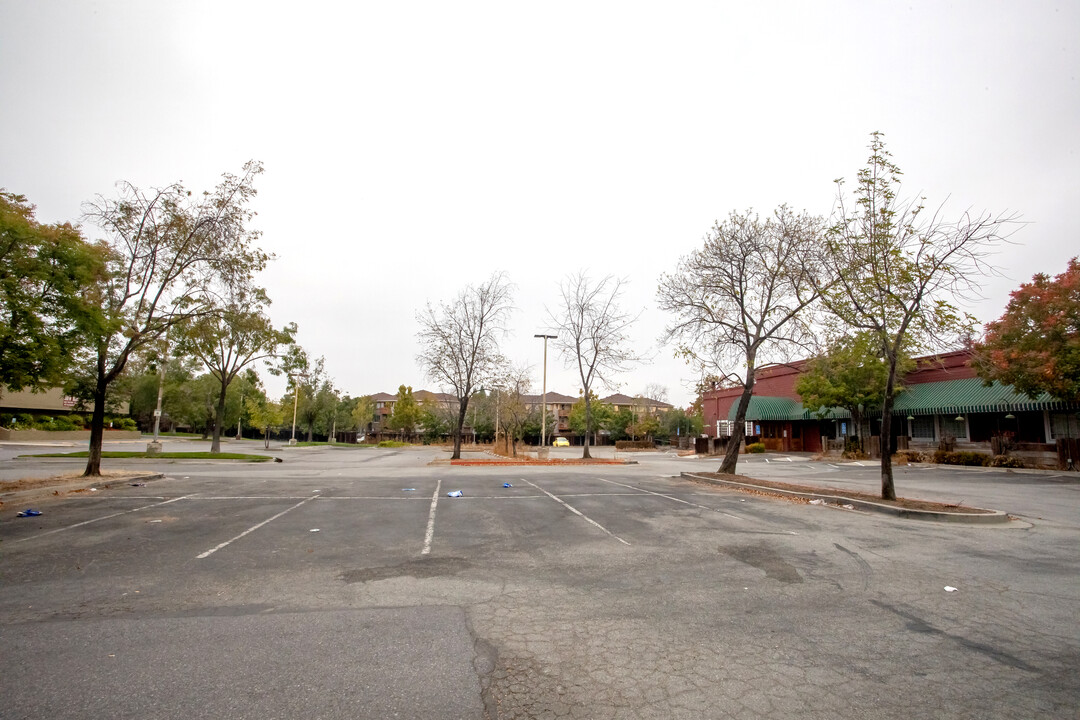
<point>743,299</point>
<point>618,423</point>
<point>893,272</point>
<point>264,414</point>
<point>587,418</point>
<point>44,314</point>
<point>362,413</point>
<point>851,375</point>
<point>1035,345</point>
<point>234,334</point>
<point>407,414</point>
<point>164,248</point>
<point>436,419</point>
<point>682,423</point>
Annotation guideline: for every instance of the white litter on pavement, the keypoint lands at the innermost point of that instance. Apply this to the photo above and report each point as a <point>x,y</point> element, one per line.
<point>950,588</point>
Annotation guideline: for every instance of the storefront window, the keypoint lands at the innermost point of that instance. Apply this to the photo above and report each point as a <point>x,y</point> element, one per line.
<point>922,427</point>
<point>955,428</point>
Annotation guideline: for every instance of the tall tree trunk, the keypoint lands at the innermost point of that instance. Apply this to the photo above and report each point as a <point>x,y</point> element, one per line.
<point>219,419</point>
<point>888,491</point>
<point>731,455</point>
<point>462,410</point>
<point>588,425</point>
<point>97,431</point>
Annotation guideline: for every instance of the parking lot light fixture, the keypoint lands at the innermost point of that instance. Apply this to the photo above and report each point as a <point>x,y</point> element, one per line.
<point>543,393</point>
<point>296,397</point>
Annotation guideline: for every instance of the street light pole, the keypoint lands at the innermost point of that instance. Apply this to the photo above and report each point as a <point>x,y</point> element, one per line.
<point>543,397</point>
<point>296,398</point>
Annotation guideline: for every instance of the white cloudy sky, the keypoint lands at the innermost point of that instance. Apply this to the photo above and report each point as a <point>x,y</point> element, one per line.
<point>413,147</point>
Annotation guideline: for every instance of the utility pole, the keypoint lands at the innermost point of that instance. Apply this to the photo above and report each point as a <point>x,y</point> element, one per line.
<point>296,398</point>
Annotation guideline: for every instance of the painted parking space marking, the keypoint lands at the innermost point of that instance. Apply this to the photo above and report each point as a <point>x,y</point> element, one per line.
<point>252,529</point>
<point>104,517</point>
<point>429,534</point>
<point>670,497</point>
<point>574,510</point>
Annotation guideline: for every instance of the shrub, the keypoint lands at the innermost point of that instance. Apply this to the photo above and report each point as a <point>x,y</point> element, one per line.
<point>634,444</point>
<point>77,420</point>
<point>910,456</point>
<point>853,445</point>
<point>755,447</point>
<point>24,420</point>
<point>392,444</point>
<point>963,457</point>
<point>1006,461</point>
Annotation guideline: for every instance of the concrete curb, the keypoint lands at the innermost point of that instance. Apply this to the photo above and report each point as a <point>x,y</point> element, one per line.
<point>989,518</point>
<point>46,491</point>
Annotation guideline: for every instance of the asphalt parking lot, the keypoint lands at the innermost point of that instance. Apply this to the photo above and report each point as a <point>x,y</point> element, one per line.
<point>344,583</point>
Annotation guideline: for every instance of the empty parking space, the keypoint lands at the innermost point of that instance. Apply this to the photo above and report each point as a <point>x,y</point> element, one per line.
<point>304,588</point>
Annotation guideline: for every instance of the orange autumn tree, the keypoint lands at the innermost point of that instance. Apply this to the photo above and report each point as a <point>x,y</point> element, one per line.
<point>1035,345</point>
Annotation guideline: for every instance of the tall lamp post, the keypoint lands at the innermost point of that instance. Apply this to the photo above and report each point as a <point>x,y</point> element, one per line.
<point>296,398</point>
<point>543,400</point>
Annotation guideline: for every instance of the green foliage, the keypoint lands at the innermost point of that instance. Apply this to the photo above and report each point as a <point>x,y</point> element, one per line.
<point>617,424</point>
<point>362,413</point>
<point>601,415</point>
<point>755,447</point>
<point>852,375</point>
<point>392,444</point>
<point>1035,345</point>
<point>45,312</point>
<point>407,414</point>
<point>679,422</point>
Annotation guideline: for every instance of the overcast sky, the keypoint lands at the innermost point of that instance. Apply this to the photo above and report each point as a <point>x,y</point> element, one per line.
<point>412,148</point>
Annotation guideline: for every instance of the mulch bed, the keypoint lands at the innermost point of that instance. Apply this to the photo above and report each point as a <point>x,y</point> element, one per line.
<point>528,461</point>
<point>905,503</point>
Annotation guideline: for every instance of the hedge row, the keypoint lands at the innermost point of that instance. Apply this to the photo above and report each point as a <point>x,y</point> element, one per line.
<point>62,423</point>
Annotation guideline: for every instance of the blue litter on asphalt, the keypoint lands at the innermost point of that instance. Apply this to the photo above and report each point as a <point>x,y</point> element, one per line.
<point>29,513</point>
<point>507,485</point>
<point>454,493</point>
<point>408,489</point>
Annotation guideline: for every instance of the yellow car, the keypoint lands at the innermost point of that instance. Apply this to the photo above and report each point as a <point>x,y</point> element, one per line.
<point>560,442</point>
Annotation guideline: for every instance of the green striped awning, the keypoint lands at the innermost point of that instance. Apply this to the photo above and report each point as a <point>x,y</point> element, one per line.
<point>969,395</point>
<point>763,407</point>
<point>948,397</point>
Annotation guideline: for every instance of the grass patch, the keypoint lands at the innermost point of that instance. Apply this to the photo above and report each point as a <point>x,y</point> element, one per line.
<point>164,455</point>
<point>393,444</point>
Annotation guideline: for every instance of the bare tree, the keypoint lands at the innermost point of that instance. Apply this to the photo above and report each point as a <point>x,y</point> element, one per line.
<point>459,342</point>
<point>593,334</point>
<point>164,248</point>
<point>741,300</point>
<point>897,272</point>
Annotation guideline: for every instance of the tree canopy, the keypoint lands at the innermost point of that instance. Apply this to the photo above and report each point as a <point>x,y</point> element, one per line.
<point>1035,345</point>
<point>743,298</point>
<point>44,313</point>
<point>894,271</point>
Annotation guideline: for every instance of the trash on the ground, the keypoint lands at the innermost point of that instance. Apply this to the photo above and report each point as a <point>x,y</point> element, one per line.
<point>950,588</point>
<point>153,521</point>
<point>314,530</point>
<point>408,489</point>
<point>454,493</point>
<point>742,501</point>
<point>818,501</point>
<point>507,485</point>
<point>849,507</point>
<point>93,489</point>
<point>29,512</point>
<point>277,459</point>
<point>138,484</point>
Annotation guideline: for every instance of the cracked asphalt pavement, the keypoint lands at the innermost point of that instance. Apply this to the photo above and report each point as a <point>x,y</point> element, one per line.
<point>344,583</point>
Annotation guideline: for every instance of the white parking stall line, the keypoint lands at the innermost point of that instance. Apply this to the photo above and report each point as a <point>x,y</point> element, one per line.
<point>670,497</point>
<point>252,529</point>
<point>429,535</point>
<point>104,517</point>
<point>577,512</point>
